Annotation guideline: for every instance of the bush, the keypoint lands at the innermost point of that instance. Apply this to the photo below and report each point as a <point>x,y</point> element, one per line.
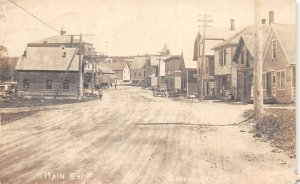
<point>268,125</point>
<point>279,127</point>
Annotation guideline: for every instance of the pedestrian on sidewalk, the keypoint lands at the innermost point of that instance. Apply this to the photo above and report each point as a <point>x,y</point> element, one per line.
<point>100,92</point>
<point>115,85</point>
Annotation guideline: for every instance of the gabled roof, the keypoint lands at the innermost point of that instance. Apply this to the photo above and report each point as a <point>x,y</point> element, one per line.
<point>172,57</point>
<point>48,59</point>
<point>60,39</point>
<point>114,65</point>
<point>234,39</point>
<point>286,35</point>
<point>138,62</point>
<point>209,44</point>
<point>215,36</point>
<point>248,40</point>
<point>105,70</point>
<point>112,76</point>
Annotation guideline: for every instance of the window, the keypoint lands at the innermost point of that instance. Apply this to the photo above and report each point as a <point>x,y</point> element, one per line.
<point>242,57</point>
<point>66,85</point>
<point>134,74</point>
<point>49,84</point>
<point>64,55</point>
<point>274,49</point>
<point>222,57</point>
<point>140,74</point>
<point>26,83</point>
<point>280,79</point>
<point>248,57</point>
<point>282,83</point>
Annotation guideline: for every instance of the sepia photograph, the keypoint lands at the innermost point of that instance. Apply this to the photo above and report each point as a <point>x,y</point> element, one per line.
<point>148,92</point>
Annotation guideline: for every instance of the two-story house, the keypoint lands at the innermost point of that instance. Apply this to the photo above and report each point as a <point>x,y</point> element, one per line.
<point>137,70</point>
<point>175,78</point>
<point>207,76</point>
<point>242,64</point>
<point>225,80</point>
<point>155,67</point>
<point>279,63</point>
<point>46,67</point>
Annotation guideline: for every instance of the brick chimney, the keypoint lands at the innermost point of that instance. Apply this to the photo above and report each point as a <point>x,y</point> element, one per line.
<point>263,21</point>
<point>271,17</point>
<point>232,25</point>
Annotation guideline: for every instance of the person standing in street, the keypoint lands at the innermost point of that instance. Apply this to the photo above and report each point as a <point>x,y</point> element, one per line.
<point>100,92</point>
<point>115,85</point>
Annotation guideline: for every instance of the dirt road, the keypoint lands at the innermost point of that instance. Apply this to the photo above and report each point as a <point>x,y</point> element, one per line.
<point>131,137</point>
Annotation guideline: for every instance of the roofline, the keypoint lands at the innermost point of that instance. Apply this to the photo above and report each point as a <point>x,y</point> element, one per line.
<point>170,57</point>
<point>73,71</point>
<point>231,37</point>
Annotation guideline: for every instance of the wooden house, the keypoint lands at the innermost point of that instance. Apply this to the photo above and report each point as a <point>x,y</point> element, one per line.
<point>41,71</point>
<point>137,69</point>
<point>155,67</point>
<point>279,63</point>
<point>105,75</point>
<point>174,71</point>
<point>208,75</point>
<point>121,69</point>
<point>242,65</point>
<point>190,73</point>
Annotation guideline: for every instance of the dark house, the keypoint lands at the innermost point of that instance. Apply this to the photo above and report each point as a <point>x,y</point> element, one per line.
<point>42,67</point>
<point>174,70</point>
<point>41,70</point>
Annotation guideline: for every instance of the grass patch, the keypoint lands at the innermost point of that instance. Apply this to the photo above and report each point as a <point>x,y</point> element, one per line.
<point>33,102</point>
<point>10,117</point>
<point>279,127</point>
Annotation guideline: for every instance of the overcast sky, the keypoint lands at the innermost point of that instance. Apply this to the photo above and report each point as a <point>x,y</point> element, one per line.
<point>129,27</point>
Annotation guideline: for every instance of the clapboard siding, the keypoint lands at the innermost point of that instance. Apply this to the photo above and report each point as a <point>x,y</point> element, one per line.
<point>38,79</point>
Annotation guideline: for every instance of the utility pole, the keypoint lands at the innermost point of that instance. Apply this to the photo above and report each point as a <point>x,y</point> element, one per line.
<point>257,73</point>
<point>158,71</point>
<point>93,71</point>
<point>66,72</point>
<point>80,78</point>
<point>204,20</point>
<point>147,68</point>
